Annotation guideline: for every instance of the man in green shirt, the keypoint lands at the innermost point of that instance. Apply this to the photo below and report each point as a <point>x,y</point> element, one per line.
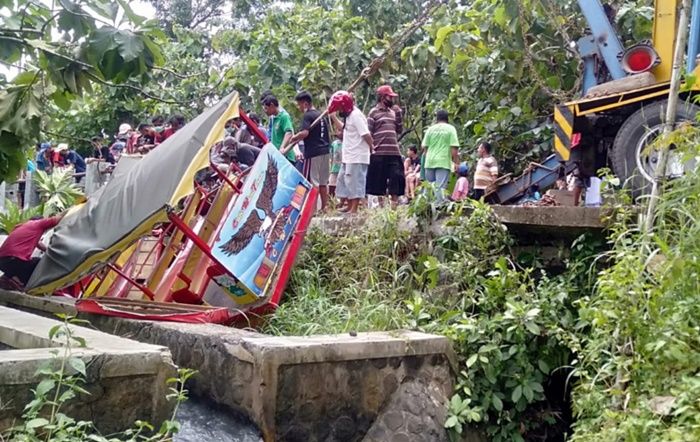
<point>440,145</point>
<point>282,128</point>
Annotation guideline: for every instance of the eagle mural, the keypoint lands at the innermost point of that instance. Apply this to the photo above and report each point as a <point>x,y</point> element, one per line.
<point>262,221</point>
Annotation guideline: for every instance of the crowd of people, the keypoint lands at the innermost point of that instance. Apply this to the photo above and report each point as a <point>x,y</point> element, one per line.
<point>349,155</point>
<point>145,138</point>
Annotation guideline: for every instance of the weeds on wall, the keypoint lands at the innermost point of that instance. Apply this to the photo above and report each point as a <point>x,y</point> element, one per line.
<point>640,329</point>
<point>621,327</point>
<point>447,270</point>
<point>62,380</point>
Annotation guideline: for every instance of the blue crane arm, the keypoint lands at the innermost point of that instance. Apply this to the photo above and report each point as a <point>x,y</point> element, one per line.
<point>605,36</point>
<point>694,39</point>
<point>543,174</point>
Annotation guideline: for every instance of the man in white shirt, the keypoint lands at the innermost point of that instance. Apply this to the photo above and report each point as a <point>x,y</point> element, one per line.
<point>357,147</point>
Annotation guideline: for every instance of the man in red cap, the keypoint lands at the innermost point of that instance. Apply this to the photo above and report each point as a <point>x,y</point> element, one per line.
<point>357,146</point>
<point>385,175</point>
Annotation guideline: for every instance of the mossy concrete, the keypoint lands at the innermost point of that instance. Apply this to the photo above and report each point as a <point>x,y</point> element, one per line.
<point>315,388</point>
<point>126,379</point>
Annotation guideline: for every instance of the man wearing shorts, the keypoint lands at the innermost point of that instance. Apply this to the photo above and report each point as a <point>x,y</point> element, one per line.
<point>357,147</point>
<point>316,146</point>
<point>386,172</point>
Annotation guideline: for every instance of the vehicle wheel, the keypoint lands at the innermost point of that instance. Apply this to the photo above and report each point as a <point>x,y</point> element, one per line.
<point>632,161</point>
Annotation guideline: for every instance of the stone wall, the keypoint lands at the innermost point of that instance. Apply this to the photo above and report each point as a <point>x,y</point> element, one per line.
<point>113,405</point>
<point>319,388</point>
<point>316,388</point>
<point>126,379</point>
<point>382,399</point>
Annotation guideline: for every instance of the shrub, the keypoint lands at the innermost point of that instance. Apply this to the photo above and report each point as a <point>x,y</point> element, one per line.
<point>57,190</point>
<point>641,327</point>
<point>14,215</point>
<point>511,326</point>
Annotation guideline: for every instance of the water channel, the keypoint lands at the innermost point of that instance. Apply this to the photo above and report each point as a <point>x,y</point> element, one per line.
<point>205,421</point>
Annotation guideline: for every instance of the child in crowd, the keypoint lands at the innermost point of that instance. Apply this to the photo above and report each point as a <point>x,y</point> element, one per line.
<point>412,170</point>
<point>336,162</point>
<point>461,189</point>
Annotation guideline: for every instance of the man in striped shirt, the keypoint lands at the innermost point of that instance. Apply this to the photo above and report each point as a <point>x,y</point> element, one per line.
<point>486,170</point>
<point>385,175</point>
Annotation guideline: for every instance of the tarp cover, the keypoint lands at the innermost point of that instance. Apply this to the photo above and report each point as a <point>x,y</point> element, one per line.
<point>130,204</point>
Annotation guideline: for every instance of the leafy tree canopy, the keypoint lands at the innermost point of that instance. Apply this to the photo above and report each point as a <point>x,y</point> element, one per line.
<point>58,51</point>
<point>497,66</point>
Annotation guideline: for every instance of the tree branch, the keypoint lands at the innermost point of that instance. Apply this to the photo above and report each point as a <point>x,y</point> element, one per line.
<point>48,51</point>
<point>137,89</point>
<point>175,74</point>
<point>22,31</point>
<point>64,136</point>
<point>407,131</point>
<point>47,22</point>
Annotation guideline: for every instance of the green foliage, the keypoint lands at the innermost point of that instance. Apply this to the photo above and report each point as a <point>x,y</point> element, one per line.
<point>510,326</point>
<point>621,326</point>
<point>57,190</point>
<point>58,50</point>
<point>497,66</point>
<point>639,363</point>
<point>62,381</point>
<point>343,297</point>
<point>14,215</point>
<point>191,77</point>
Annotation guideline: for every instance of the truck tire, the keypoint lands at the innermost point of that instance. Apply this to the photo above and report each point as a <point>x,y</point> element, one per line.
<point>631,162</point>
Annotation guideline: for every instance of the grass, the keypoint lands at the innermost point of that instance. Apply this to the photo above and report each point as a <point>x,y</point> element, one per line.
<point>346,283</point>
<point>620,327</point>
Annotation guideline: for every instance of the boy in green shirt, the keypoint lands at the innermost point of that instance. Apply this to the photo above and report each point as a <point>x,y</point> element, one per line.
<point>336,162</point>
<point>282,128</point>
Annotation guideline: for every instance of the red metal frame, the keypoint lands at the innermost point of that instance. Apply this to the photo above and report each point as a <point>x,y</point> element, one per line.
<point>252,126</point>
<point>146,291</point>
<point>225,177</point>
<point>176,222</point>
<point>102,280</point>
<point>179,313</point>
<point>190,234</point>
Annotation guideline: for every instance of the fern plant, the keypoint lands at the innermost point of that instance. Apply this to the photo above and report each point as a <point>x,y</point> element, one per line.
<point>58,191</point>
<point>14,215</point>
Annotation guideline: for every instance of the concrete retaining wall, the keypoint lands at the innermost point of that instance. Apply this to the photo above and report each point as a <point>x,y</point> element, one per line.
<point>376,386</point>
<point>319,388</point>
<point>125,379</point>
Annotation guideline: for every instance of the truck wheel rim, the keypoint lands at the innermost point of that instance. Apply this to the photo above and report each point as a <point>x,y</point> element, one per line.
<point>648,159</point>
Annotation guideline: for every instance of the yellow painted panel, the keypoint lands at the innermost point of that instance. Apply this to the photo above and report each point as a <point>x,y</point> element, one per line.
<point>664,35</point>
<point>620,103</point>
<point>173,245</point>
<point>561,121</point>
<point>89,264</point>
<point>193,268</point>
<point>561,149</point>
<point>110,276</point>
<point>201,160</point>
